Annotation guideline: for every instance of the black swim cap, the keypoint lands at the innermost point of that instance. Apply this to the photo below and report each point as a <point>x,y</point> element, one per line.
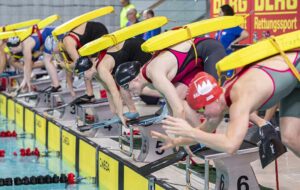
<point>82,64</point>
<point>126,72</point>
<point>13,42</point>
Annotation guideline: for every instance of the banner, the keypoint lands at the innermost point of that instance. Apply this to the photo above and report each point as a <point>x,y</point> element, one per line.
<point>267,17</point>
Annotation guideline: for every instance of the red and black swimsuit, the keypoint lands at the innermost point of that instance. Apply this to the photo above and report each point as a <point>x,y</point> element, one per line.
<point>209,52</point>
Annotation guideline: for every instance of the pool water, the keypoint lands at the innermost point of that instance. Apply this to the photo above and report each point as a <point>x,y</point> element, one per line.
<point>12,166</point>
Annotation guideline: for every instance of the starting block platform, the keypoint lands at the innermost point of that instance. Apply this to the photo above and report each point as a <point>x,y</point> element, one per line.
<point>102,157</point>
<point>233,171</point>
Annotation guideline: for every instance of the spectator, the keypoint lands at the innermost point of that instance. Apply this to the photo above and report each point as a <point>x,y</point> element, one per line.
<point>131,16</point>
<point>146,15</point>
<point>123,15</point>
<point>230,36</point>
<point>132,19</point>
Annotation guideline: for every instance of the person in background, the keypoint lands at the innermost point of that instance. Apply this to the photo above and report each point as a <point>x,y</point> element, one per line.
<point>146,15</point>
<point>132,19</point>
<point>230,36</point>
<point>123,15</point>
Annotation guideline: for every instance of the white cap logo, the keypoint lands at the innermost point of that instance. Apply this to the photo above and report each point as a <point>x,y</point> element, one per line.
<point>204,88</point>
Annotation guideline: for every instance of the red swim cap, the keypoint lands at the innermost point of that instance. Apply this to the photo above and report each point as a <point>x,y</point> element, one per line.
<point>203,90</point>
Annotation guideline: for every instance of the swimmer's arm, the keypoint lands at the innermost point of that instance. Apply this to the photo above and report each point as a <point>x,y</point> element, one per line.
<point>243,36</point>
<point>126,96</point>
<point>107,78</point>
<point>109,97</point>
<point>234,136</point>
<point>165,87</point>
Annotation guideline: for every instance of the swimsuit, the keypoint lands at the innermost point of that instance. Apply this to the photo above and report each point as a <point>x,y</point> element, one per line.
<point>41,37</point>
<point>286,88</point>
<point>209,52</point>
<point>131,51</point>
<point>93,31</point>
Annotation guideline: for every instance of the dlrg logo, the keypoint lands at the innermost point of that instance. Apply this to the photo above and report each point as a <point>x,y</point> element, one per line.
<point>104,164</point>
<point>66,140</point>
<point>38,123</point>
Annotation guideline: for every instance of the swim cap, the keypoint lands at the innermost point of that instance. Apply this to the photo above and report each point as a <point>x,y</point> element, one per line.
<point>126,72</point>
<point>203,90</point>
<point>13,42</point>
<point>82,64</point>
<point>50,44</point>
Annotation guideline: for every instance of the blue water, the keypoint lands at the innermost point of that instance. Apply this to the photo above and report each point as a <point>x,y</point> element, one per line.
<point>17,166</point>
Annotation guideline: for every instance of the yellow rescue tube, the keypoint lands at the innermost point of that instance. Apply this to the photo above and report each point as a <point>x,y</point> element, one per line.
<point>186,32</point>
<point>25,33</point>
<point>19,25</point>
<point>44,23</point>
<point>6,35</point>
<point>258,51</point>
<point>121,35</point>
<point>68,26</point>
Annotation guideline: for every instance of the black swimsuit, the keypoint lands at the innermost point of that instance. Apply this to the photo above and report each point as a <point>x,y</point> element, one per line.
<point>131,51</point>
<point>93,31</point>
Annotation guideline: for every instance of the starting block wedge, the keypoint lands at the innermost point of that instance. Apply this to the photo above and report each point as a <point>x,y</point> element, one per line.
<point>92,117</point>
<point>63,103</point>
<point>150,147</point>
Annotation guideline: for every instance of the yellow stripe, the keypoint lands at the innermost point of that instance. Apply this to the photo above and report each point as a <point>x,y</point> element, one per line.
<point>11,110</point>
<point>69,147</point>
<point>87,159</point>
<point>29,121</point>
<point>53,137</point>
<point>133,180</point>
<point>40,129</point>
<point>3,100</point>
<point>54,145</point>
<point>108,172</point>
<point>19,115</point>
<point>276,13</point>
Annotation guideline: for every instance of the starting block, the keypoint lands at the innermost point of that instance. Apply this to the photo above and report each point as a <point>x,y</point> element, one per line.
<point>93,114</point>
<point>150,147</point>
<point>233,171</point>
<point>62,102</point>
<point>9,83</point>
<point>42,84</point>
